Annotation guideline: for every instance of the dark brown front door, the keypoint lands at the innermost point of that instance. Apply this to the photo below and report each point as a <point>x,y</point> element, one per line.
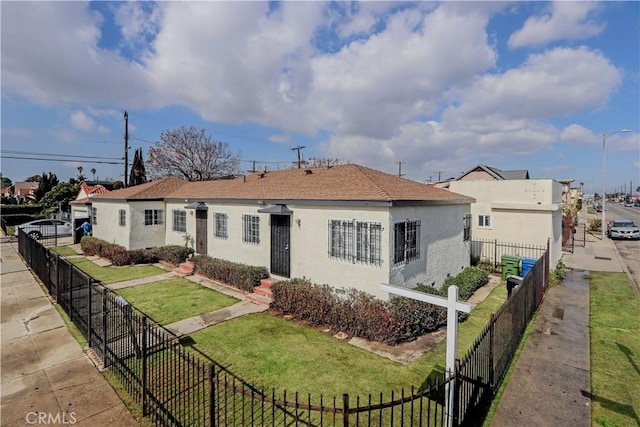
<point>280,241</point>
<point>201,232</point>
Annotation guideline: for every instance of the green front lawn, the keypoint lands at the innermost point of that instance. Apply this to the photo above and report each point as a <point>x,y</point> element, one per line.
<point>171,300</point>
<point>615,350</point>
<point>64,251</point>
<point>115,274</point>
<point>270,351</point>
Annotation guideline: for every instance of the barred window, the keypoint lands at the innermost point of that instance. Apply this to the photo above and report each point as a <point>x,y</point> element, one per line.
<point>466,235</point>
<point>251,228</point>
<point>179,220</point>
<point>220,220</point>
<point>355,241</point>
<point>407,241</point>
<point>122,217</point>
<point>94,216</point>
<point>153,216</point>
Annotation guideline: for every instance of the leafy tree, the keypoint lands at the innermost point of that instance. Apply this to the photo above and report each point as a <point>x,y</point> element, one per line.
<point>61,194</point>
<point>4,181</point>
<point>33,178</point>
<point>138,174</point>
<point>46,183</point>
<point>190,154</point>
<point>118,185</point>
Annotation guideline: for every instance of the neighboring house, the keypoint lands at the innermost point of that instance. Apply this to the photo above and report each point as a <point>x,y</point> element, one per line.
<point>81,206</point>
<point>569,196</point>
<point>25,190</point>
<point>346,226</point>
<point>522,211</point>
<point>482,172</point>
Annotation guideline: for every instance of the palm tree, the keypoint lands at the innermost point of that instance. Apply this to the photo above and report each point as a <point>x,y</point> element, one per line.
<point>93,172</point>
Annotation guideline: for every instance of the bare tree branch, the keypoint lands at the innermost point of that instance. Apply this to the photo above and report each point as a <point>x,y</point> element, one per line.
<point>191,154</point>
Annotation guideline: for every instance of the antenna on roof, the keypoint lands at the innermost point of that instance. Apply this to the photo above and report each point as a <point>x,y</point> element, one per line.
<point>399,163</point>
<point>298,148</point>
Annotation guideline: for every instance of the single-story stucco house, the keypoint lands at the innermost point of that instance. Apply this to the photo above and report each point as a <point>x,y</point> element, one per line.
<point>348,226</point>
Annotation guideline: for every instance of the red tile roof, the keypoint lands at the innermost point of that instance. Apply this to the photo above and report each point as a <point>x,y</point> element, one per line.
<point>93,189</point>
<point>341,183</point>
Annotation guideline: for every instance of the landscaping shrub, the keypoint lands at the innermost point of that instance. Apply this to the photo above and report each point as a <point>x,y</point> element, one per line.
<point>357,313</point>
<point>144,256</point>
<point>241,276</point>
<point>595,224</point>
<point>468,281</point>
<point>91,245</point>
<point>174,254</point>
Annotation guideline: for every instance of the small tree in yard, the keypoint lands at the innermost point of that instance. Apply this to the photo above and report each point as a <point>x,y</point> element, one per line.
<point>190,154</point>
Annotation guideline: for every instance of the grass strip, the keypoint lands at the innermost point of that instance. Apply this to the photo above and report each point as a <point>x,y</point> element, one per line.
<point>615,350</point>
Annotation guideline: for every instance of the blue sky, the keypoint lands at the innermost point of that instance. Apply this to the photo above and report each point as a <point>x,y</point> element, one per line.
<point>439,87</point>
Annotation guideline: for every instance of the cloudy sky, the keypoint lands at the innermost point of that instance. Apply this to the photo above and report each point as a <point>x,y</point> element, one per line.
<point>439,87</point>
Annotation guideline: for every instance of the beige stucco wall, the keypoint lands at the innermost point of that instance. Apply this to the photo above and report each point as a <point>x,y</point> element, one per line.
<point>134,235</point>
<point>522,211</point>
<point>442,249</point>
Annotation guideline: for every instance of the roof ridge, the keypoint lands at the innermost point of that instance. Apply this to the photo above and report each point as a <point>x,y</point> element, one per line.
<point>383,192</point>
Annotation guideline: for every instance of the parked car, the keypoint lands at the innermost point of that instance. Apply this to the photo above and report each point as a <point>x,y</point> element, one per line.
<point>628,204</point>
<point>598,208</point>
<point>623,229</point>
<point>45,228</point>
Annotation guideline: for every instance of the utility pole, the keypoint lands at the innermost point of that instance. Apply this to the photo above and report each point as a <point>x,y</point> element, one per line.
<point>298,148</point>
<point>399,163</point>
<point>126,148</point>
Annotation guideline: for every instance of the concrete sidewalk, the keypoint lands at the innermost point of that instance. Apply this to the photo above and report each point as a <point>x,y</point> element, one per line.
<point>551,379</point>
<point>46,377</point>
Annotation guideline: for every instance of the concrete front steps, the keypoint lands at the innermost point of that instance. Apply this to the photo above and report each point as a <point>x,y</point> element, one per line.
<point>184,269</point>
<point>262,294</point>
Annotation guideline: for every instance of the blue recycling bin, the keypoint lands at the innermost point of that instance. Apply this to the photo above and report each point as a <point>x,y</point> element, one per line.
<point>527,265</point>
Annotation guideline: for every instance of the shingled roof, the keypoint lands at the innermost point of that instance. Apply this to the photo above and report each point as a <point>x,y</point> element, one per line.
<point>496,173</point>
<point>153,190</point>
<point>339,183</point>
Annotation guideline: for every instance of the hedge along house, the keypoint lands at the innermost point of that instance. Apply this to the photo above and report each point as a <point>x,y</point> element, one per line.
<point>346,226</point>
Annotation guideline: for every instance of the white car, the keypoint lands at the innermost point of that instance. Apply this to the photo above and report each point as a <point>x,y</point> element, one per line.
<point>624,229</point>
<point>45,228</point>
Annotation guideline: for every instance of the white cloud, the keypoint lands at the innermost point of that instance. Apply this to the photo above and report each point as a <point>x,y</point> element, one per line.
<point>557,82</point>
<point>58,60</point>
<point>578,135</point>
<point>137,21</point>
<point>566,20</point>
<point>81,121</point>
<point>281,139</point>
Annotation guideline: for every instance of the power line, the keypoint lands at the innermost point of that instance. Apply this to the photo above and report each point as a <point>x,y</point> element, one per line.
<point>63,160</point>
<point>59,155</point>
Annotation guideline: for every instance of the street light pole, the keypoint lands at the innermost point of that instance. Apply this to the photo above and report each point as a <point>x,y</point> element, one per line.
<point>604,175</point>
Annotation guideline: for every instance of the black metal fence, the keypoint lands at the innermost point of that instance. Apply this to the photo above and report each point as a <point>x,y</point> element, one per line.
<point>178,386</point>
<point>489,252</point>
<point>481,371</point>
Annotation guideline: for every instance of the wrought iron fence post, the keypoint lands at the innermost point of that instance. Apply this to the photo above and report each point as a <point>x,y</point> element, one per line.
<point>492,330</point>
<point>212,396</point>
<point>495,253</point>
<point>89,322</point>
<point>105,359</point>
<point>345,410</point>
<point>145,409</point>
<point>456,391</point>
<point>71,293</point>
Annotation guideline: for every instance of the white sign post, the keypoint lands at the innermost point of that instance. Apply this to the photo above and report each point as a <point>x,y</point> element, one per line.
<point>453,307</point>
